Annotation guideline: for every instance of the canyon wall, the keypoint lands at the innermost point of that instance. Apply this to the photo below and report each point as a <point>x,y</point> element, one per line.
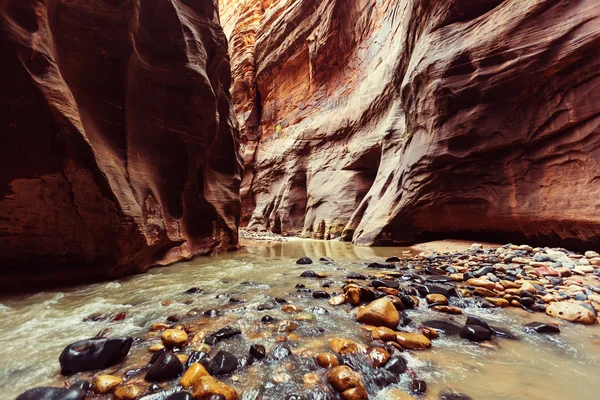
<point>120,144</point>
<point>394,121</point>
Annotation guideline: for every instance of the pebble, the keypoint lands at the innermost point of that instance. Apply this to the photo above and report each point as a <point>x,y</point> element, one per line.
<point>436,298</point>
<point>304,261</point>
<point>379,313</point>
<point>223,363</point>
<point>326,360</point>
<point>344,347</point>
<point>378,356</point>
<point>447,309</point>
<point>540,327</point>
<point>413,340</point>
<point>193,375</point>
<point>174,338</point>
<point>129,392</point>
<point>208,387</point>
<point>52,393</point>
<point>93,354</point>
<point>166,367</point>
<point>104,384</point>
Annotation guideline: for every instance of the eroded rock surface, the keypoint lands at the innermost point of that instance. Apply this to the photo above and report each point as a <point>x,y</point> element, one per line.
<point>394,121</point>
<point>120,142</point>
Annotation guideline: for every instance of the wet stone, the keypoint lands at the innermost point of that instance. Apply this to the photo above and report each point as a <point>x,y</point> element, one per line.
<point>194,290</point>
<point>381,266</point>
<point>454,396</point>
<point>51,393</point>
<point>475,333</point>
<point>92,354</point>
<point>393,259</point>
<point>447,327</point>
<point>540,327</point>
<point>418,386</point>
<point>388,283</point>
<point>321,295</point>
<point>258,351</point>
<point>304,261</point>
<point>222,334</point>
<point>396,365</point>
<point>308,274</point>
<point>167,366</point>
<point>223,363</point>
<point>358,277</point>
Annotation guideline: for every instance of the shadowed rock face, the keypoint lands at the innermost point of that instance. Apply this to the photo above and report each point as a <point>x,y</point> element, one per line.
<point>393,121</point>
<point>120,142</point>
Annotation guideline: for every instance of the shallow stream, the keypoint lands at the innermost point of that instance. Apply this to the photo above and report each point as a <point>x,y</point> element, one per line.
<point>35,328</point>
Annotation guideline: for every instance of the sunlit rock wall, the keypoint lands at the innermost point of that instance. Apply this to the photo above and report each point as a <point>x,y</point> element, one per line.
<point>120,145</point>
<point>392,121</point>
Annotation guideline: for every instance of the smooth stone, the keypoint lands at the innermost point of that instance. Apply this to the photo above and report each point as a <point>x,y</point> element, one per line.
<point>381,266</point>
<point>321,295</point>
<point>52,393</point>
<point>258,351</point>
<point>129,392</point>
<point>393,259</point>
<point>167,366</point>
<point>223,363</point>
<point>480,282</point>
<point>378,356</point>
<point>104,384</point>
<point>304,261</point>
<point>193,375</point>
<point>571,312</point>
<point>194,290</point>
<point>208,386</point>
<point>383,333</point>
<point>388,283</point>
<point>380,312</point>
<point>408,301</point>
<point>358,277</point>
<point>93,354</point>
<point>396,365</point>
<point>528,287</point>
<point>473,320</point>
<point>342,378</point>
<point>447,309</point>
<point>497,302</point>
<point>308,274</point>
<point>436,298</point>
<point>540,327</point>
<point>475,333</point>
<point>337,300</point>
<point>174,338</point>
<point>222,334</point>
<point>412,340</point>
<point>185,396</point>
<point>267,319</point>
<point>448,327</point>
<point>326,360</point>
<point>344,347</point>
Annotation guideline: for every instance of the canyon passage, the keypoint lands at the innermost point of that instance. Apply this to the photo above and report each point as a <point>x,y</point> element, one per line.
<point>299,199</point>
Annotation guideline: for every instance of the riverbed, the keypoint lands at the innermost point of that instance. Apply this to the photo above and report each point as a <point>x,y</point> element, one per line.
<point>35,328</point>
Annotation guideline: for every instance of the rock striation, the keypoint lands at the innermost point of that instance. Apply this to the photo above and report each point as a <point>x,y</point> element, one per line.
<point>119,136</point>
<point>390,121</point>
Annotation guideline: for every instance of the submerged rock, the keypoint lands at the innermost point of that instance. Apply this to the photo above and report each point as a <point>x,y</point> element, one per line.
<point>92,354</point>
<point>540,327</point>
<point>304,261</point>
<point>379,313</point>
<point>223,363</point>
<point>52,393</point>
<point>475,333</point>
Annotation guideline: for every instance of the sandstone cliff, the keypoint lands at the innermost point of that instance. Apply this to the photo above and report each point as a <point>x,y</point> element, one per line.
<point>120,145</point>
<point>393,121</point>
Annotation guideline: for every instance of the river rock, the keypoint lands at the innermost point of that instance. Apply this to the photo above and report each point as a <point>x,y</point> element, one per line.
<point>104,384</point>
<point>129,392</point>
<point>497,302</point>
<point>418,386</point>
<point>528,287</point>
<point>92,354</point>
<point>223,363</point>
<point>208,386</point>
<point>540,327</point>
<point>321,295</point>
<point>396,365</point>
<point>448,327</point>
<point>52,393</point>
<point>167,366</point>
<point>326,360</point>
<point>344,347</point>
<point>412,340</point>
<point>378,356</point>
<point>480,282</point>
<point>475,333</point>
<point>342,378</point>
<point>447,309</point>
<point>174,338</point>
<point>454,396</point>
<point>571,312</point>
<point>222,334</point>
<point>258,352</point>
<point>383,333</point>
<point>473,320</point>
<point>379,313</point>
<point>397,394</point>
<point>188,396</point>
<point>337,300</point>
<point>193,375</point>
<point>436,299</point>
<point>304,261</point>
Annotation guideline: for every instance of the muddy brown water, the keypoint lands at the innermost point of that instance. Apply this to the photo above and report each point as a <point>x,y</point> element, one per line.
<point>35,328</point>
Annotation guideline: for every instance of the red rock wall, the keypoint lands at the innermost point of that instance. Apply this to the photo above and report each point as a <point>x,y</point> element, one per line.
<point>119,137</point>
<point>391,121</point>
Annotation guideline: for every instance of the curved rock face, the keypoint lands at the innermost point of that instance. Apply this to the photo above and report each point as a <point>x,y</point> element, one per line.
<point>121,145</point>
<point>394,121</point>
